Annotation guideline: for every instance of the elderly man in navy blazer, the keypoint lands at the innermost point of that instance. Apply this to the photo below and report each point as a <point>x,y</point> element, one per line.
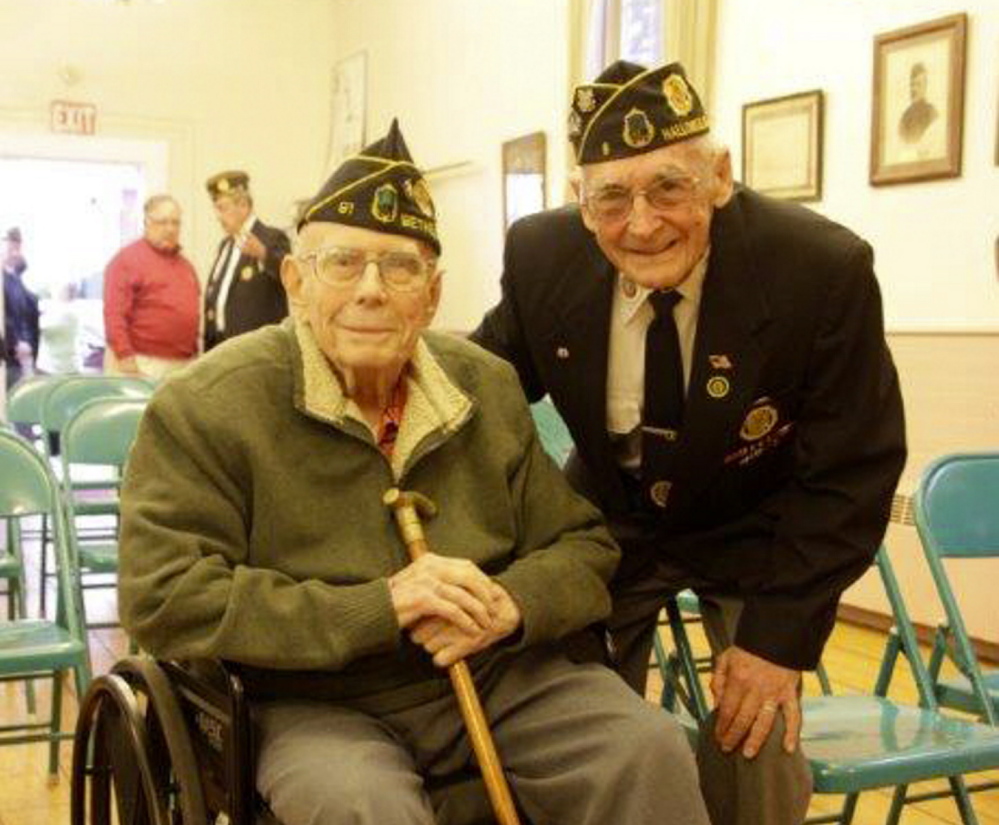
<point>720,360</point>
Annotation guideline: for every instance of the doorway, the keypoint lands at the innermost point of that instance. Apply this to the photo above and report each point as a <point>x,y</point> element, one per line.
<point>73,215</point>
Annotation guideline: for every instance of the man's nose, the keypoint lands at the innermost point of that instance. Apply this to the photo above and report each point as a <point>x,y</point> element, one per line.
<point>370,284</point>
<point>643,220</point>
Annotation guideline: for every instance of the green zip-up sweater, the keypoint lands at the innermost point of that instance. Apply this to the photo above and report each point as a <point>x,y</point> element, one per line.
<point>253,527</point>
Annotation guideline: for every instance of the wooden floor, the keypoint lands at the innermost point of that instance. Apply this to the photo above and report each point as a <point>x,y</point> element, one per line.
<point>851,658</point>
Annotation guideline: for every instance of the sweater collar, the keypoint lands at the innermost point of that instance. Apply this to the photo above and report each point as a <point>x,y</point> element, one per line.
<point>434,402</point>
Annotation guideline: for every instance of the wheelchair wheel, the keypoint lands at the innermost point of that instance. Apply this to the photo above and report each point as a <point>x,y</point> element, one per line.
<point>136,737</point>
<point>112,775</point>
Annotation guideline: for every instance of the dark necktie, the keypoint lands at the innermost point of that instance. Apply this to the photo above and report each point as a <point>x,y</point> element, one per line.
<point>662,411</point>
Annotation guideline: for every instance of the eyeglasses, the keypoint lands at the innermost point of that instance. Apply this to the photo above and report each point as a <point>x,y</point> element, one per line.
<point>340,266</point>
<point>615,203</point>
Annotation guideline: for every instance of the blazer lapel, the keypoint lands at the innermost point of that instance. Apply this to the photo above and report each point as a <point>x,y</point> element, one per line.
<point>578,346</point>
<point>727,359</point>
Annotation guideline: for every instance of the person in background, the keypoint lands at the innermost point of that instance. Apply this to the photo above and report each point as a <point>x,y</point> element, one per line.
<point>151,299</point>
<point>254,529</point>
<point>20,314</point>
<point>244,289</point>
<point>720,360</point>
<point>59,347</point>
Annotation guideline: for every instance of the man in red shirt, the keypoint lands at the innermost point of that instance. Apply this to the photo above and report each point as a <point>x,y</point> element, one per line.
<point>151,299</point>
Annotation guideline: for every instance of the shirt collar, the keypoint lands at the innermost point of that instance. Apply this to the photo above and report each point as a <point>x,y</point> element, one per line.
<point>633,297</point>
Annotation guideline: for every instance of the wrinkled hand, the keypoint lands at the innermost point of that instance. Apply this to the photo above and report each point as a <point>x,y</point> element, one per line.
<point>448,643</point>
<point>445,588</point>
<point>250,244</point>
<point>749,692</point>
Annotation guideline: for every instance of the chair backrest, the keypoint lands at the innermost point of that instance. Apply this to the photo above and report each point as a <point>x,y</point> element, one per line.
<point>554,434</point>
<point>60,405</point>
<point>102,431</point>
<point>957,505</point>
<point>27,397</point>
<point>28,487</point>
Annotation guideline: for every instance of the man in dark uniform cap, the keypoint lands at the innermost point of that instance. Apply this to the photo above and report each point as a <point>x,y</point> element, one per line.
<point>244,289</point>
<point>262,538</point>
<point>719,358</point>
<point>20,317</point>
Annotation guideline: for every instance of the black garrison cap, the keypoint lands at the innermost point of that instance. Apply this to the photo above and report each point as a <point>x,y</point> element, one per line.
<point>378,189</point>
<point>228,183</point>
<point>629,110</point>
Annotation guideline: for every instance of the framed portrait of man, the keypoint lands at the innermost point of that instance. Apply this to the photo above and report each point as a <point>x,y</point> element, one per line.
<point>918,102</point>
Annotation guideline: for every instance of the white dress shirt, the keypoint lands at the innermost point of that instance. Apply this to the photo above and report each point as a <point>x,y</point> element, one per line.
<point>631,314</point>
<point>230,270</point>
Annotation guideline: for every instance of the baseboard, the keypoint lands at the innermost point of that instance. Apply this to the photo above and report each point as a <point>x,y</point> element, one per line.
<point>987,651</point>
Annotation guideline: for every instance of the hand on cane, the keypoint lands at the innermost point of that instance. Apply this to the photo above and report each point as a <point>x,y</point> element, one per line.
<point>450,607</point>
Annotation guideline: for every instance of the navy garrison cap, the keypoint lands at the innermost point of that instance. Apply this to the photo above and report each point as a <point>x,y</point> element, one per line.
<point>378,189</point>
<point>629,110</point>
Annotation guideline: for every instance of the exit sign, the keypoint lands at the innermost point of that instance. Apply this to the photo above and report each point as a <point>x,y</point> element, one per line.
<point>73,118</point>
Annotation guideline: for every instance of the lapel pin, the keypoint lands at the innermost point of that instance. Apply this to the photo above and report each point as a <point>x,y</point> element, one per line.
<point>718,386</point>
<point>720,362</point>
<point>562,353</point>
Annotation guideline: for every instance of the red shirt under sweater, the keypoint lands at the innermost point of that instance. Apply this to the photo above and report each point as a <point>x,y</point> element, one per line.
<point>151,303</point>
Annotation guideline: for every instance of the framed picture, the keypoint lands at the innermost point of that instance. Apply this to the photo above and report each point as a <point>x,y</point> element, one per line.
<point>918,102</point>
<point>524,185</point>
<point>782,146</point>
<point>347,122</point>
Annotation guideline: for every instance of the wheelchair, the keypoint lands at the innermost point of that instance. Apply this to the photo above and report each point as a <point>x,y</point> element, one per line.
<point>170,743</point>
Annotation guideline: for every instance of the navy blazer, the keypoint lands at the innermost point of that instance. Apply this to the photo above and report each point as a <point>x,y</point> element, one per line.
<point>793,434</point>
<point>256,296</point>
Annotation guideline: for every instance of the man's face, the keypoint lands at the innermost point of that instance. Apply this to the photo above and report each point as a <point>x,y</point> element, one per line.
<point>163,226</point>
<point>362,327</point>
<point>231,212</point>
<point>664,233</point>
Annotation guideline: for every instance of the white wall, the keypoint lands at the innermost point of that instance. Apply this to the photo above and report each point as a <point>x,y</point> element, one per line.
<point>934,240</point>
<point>222,83</point>
<point>462,77</point>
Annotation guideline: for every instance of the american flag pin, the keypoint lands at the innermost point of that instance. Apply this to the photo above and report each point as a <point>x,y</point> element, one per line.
<point>720,362</point>
<point>562,352</point>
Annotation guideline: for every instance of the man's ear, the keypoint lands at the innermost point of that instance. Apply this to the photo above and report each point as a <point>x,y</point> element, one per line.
<point>576,182</point>
<point>436,282</point>
<point>293,280</point>
<point>723,184</point>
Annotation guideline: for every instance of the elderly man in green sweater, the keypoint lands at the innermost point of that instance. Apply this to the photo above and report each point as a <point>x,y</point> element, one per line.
<point>253,529</point>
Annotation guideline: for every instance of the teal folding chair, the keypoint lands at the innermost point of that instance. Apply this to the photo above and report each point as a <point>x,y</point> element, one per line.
<point>957,516</point>
<point>36,648</point>
<point>91,498</point>
<point>859,743</point>
<point>98,436</point>
<point>25,403</point>
<point>554,434</point>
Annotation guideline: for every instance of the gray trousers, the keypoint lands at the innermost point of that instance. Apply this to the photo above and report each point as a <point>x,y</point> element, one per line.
<point>577,746</point>
<point>774,787</point>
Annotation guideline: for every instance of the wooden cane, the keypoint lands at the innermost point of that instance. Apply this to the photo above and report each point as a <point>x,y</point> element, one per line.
<point>407,507</point>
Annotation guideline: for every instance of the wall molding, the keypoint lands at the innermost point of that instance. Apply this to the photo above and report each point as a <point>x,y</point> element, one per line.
<point>875,620</point>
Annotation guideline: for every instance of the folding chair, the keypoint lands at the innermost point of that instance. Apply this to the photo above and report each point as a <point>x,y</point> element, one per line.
<point>554,434</point>
<point>957,516</point>
<point>91,497</point>
<point>33,648</point>
<point>99,435</point>
<point>858,743</point>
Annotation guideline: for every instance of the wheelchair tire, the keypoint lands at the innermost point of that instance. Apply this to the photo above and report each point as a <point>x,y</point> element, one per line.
<point>167,729</point>
<point>111,750</point>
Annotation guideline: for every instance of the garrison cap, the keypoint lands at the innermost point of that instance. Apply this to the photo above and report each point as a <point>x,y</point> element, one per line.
<point>629,110</point>
<point>228,183</point>
<point>378,189</point>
